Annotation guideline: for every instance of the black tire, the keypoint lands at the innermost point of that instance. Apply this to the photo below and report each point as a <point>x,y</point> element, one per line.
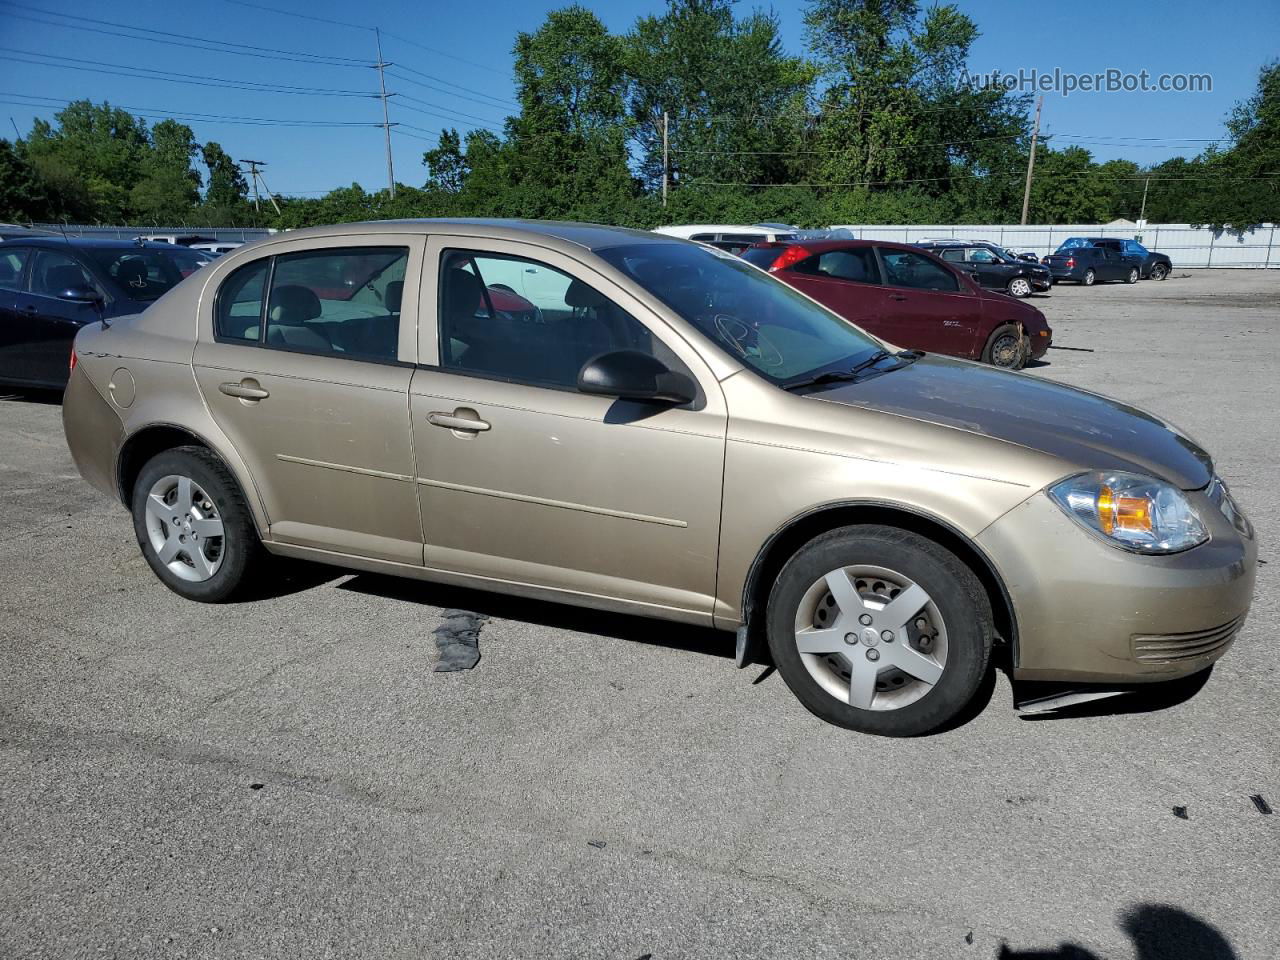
<point>951,585</point>
<point>241,551</point>
<point>1133,276</point>
<point>1158,271</point>
<point>997,352</point>
<point>1021,283</point>
<point>1089,277</point>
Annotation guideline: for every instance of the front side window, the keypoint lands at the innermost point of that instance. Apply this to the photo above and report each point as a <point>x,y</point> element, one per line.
<point>906,269</point>
<point>755,318</point>
<point>980,255</point>
<point>12,260</point>
<point>53,273</point>
<point>520,320</point>
<point>344,302</point>
<point>146,273</point>
<point>1132,246</point>
<point>857,265</point>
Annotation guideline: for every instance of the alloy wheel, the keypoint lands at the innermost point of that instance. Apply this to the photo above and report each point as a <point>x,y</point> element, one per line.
<point>1020,287</point>
<point>871,637</point>
<point>184,528</point>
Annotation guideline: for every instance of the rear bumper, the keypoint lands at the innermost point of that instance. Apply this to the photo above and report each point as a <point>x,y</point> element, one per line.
<point>1091,612</point>
<point>94,432</point>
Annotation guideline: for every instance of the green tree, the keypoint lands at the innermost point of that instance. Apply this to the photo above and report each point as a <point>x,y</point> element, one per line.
<point>446,164</point>
<point>22,196</point>
<point>227,187</point>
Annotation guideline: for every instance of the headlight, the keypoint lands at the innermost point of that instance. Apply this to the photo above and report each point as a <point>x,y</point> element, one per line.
<point>1220,495</point>
<point>1137,513</point>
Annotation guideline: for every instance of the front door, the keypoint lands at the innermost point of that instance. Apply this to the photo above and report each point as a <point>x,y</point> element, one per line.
<point>45,324</point>
<point>307,371</point>
<point>928,308</point>
<point>522,478</point>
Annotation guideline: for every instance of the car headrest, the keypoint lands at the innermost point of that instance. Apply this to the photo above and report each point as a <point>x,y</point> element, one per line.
<point>57,279</point>
<point>581,295</point>
<point>462,293</point>
<point>132,272</point>
<point>393,296</point>
<point>293,304</point>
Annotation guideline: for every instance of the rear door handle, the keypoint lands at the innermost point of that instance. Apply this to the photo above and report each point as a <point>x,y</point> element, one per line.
<point>245,390</point>
<point>29,308</point>
<point>458,421</point>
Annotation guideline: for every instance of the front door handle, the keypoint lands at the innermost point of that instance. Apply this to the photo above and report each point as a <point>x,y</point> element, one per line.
<point>461,419</point>
<point>245,390</point>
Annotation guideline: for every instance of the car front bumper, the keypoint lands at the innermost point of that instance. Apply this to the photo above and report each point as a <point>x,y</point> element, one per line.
<point>1090,612</point>
<point>1041,282</point>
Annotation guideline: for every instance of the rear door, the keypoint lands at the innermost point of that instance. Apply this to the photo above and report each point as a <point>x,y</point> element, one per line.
<point>927,307</point>
<point>845,281</point>
<point>304,360</point>
<point>46,325</point>
<point>13,263</point>
<point>1114,265</point>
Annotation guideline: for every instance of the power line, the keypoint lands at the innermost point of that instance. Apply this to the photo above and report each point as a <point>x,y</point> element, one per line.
<point>163,114</point>
<point>168,76</point>
<point>480,121</point>
<point>302,16</point>
<point>442,53</point>
<point>470,94</point>
<point>179,39</point>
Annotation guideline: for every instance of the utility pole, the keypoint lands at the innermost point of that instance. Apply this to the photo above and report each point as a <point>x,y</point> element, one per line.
<point>1142,217</point>
<point>1031,161</point>
<point>666,162</point>
<point>386,120</point>
<point>257,178</point>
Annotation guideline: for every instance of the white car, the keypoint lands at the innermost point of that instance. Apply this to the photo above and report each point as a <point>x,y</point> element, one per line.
<point>733,238</point>
<point>218,247</point>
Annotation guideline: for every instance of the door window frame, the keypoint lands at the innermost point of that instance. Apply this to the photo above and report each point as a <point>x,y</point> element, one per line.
<point>429,331</point>
<point>221,269</point>
<point>70,253</point>
<point>962,289</point>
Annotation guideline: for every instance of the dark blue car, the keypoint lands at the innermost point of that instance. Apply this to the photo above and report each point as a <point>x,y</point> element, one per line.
<point>50,287</point>
<point>1090,265</point>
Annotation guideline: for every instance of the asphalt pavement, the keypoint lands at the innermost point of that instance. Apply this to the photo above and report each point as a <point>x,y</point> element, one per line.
<point>292,778</point>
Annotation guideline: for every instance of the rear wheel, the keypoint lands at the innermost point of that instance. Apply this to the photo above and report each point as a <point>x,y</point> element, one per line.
<point>1090,277</point>
<point>1158,271</point>
<point>1132,277</point>
<point>1019,287</point>
<point>1006,347</point>
<point>193,525</point>
<point>880,630</point>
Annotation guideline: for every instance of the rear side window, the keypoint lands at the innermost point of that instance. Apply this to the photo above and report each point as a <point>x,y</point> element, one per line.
<point>762,257</point>
<point>11,264</point>
<point>915,270</point>
<point>857,265</point>
<point>344,302</point>
<point>239,312</point>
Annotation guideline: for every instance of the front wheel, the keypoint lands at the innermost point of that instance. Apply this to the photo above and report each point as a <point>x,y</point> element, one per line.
<point>1132,277</point>
<point>1020,287</point>
<point>1006,347</point>
<point>1090,277</point>
<point>880,630</point>
<point>1158,271</point>
<point>193,525</point>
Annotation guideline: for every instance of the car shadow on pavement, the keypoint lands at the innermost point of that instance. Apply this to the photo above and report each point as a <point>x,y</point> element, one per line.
<point>1148,698</point>
<point>31,395</point>
<point>1158,932</point>
<point>663,633</point>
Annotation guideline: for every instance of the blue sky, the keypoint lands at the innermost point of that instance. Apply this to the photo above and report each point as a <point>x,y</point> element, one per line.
<point>459,54</point>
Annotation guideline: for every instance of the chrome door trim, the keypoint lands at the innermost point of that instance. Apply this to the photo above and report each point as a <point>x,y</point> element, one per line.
<point>560,504</point>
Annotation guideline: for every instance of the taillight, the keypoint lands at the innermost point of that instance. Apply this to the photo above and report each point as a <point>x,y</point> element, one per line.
<point>789,256</point>
<point>1071,262</point>
<point>74,358</point>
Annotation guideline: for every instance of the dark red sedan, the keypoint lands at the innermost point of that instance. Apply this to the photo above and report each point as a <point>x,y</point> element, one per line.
<point>910,298</point>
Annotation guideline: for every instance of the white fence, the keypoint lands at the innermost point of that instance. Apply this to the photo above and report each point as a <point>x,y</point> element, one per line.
<point>1186,246</point>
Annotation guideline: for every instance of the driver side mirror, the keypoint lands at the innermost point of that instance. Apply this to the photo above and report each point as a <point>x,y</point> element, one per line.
<point>81,293</point>
<point>632,375</point>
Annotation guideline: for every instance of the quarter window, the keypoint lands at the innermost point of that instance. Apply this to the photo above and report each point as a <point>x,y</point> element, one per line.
<point>520,320</point>
<point>11,264</point>
<point>914,270</point>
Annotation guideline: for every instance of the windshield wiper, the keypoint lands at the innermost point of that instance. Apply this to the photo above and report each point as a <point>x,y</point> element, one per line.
<point>836,376</point>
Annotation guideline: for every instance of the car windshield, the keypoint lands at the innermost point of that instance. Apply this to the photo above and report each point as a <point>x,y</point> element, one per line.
<point>775,330</point>
<point>146,273</point>
<point>1071,243</point>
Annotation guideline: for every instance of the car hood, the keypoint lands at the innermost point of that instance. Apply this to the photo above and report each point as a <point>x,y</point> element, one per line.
<point>1074,425</point>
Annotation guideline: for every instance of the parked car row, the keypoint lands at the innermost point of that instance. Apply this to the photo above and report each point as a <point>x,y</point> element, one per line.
<point>669,431</point>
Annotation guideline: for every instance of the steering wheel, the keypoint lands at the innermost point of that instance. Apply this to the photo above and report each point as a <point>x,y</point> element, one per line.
<point>748,341</point>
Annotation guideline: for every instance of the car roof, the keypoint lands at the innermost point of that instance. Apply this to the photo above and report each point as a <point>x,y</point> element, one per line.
<point>592,236</point>
<point>822,246</point>
<point>94,243</point>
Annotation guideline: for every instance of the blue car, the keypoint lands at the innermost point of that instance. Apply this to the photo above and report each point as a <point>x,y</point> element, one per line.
<point>1151,265</point>
<point>50,287</point>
